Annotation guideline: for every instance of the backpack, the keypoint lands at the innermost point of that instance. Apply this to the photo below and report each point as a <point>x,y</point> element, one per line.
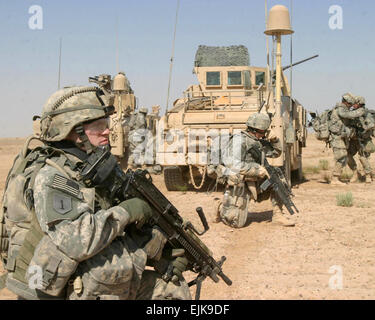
<point>321,125</point>
<point>19,180</point>
<point>18,197</point>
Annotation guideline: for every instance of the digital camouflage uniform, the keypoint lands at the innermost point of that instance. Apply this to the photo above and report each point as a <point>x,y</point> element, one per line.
<point>137,137</point>
<point>244,176</point>
<point>361,142</point>
<point>340,133</point>
<point>85,246</point>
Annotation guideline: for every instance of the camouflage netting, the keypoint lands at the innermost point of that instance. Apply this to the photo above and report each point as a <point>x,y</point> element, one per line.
<point>207,56</point>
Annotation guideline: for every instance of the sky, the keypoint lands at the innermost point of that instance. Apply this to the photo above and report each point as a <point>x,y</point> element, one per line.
<point>140,33</point>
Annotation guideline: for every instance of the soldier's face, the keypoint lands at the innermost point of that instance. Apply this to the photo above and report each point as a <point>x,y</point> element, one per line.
<point>259,133</point>
<point>97,132</point>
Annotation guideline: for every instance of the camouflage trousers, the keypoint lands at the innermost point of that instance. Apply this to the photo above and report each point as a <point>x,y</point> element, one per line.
<point>341,156</point>
<point>235,204</point>
<point>153,287</point>
<point>345,156</point>
<point>118,273</point>
<point>355,146</point>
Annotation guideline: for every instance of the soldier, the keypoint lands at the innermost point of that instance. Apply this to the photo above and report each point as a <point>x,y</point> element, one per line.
<point>137,136</point>
<point>244,175</point>
<point>67,237</point>
<point>340,133</point>
<point>361,141</point>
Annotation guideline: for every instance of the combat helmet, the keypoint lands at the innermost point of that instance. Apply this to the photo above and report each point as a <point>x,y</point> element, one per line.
<point>360,100</point>
<point>69,108</point>
<point>348,97</point>
<point>259,121</point>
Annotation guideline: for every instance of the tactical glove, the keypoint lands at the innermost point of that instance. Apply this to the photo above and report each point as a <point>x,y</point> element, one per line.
<point>172,264</point>
<point>139,211</point>
<point>179,264</point>
<point>154,247</point>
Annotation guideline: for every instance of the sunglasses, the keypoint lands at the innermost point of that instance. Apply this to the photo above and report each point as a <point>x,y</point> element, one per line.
<point>260,131</point>
<point>98,125</point>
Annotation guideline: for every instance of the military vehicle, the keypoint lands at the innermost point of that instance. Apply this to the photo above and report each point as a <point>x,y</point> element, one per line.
<point>229,90</point>
<point>127,117</point>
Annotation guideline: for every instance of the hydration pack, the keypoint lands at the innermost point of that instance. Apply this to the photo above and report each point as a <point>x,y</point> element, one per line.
<point>321,125</point>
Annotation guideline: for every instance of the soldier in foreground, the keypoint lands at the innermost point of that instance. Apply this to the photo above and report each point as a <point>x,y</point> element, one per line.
<point>66,236</point>
<point>245,173</point>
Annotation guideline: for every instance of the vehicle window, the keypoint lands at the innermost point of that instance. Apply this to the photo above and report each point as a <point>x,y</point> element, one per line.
<point>247,78</point>
<point>259,77</point>
<point>234,78</point>
<point>213,78</point>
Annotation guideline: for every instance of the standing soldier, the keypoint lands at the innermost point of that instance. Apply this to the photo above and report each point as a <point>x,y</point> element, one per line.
<point>361,142</point>
<point>137,137</point>
<point>65,229</point>
<point>244,174</point>
<point>340,134</point>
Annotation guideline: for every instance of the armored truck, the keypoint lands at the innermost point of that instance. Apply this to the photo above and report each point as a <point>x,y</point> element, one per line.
<point>228,91</point>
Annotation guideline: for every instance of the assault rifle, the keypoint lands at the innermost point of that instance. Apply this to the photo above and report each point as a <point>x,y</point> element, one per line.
<point>275,181</point>
<point>180,233</point>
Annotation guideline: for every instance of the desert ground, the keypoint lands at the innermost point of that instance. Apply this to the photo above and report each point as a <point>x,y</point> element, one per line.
<point>329,254</point>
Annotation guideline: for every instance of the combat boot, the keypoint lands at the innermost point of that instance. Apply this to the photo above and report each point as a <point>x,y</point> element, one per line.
<point>368,178</point>
<point>336,182</point>
<point>354,178</point>
<point>280,218</point>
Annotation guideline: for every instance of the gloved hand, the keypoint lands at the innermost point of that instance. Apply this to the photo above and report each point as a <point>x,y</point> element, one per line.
<point>172,264</point>
<point>262,172</point>
<point>138,210</point>
<point>179,265</point>
<point>154,247</point>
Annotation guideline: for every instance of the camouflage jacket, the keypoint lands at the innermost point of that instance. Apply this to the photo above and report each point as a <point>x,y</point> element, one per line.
<point>364,125</point>
<point>341,120</point>
<point>79,220</point>
<point>81,234</point>
<point>237,158</point>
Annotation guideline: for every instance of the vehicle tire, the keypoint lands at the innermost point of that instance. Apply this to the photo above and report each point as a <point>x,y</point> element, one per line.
<point>173,179</point>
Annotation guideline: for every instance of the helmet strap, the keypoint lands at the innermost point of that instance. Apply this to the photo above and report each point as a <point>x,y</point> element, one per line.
<point>85,140</point>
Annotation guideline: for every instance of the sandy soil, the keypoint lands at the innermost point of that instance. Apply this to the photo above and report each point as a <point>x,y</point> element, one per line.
<point>329,254</point>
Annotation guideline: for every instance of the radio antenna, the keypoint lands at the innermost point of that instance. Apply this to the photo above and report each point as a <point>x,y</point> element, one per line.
<point>58,80</point>
<point>117,47</point>
<point>172,57</point>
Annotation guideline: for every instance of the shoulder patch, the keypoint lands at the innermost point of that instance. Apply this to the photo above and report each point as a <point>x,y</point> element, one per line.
<point>67,186</point>
<point>62,204</point>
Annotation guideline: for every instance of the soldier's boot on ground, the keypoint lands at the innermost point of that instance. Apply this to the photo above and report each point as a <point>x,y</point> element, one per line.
<point>336,181</point>
<point>354,178</point>
<point>368,178</point>
<point>281,218</point>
